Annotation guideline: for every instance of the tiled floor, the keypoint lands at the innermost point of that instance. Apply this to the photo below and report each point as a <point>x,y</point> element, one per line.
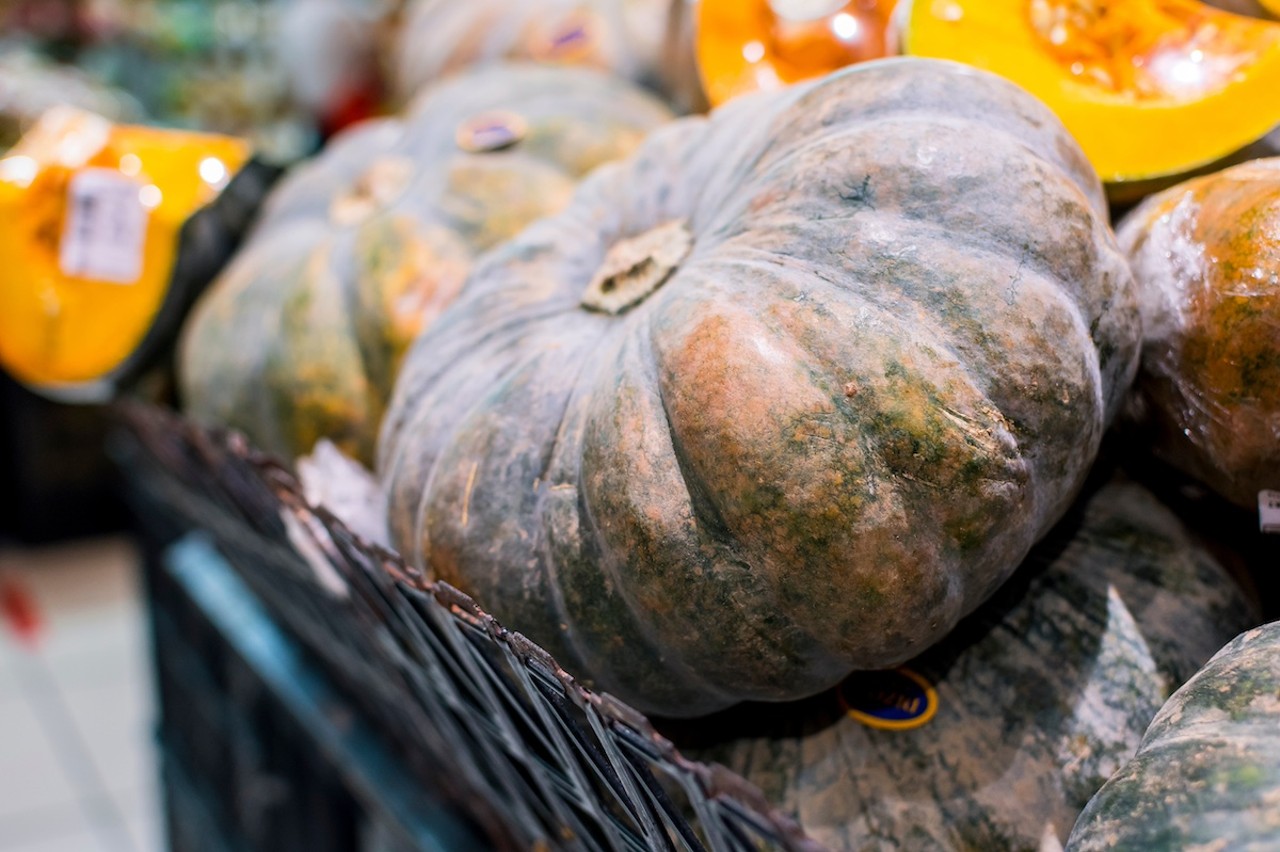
<point>77,753</point>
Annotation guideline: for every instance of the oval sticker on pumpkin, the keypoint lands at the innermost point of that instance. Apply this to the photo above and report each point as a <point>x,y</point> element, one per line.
<point>572,40</point>
<point>491,131</point>
<point>896,700</point>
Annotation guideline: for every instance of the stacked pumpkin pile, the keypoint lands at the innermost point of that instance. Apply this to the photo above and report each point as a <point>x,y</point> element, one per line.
<point>796,404</point>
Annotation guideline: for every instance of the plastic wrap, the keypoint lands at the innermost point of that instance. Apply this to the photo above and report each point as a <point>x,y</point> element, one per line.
<point>102,249</point>
<point>1206,255</point>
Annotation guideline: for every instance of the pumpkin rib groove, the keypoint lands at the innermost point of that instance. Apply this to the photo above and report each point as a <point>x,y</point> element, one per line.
<point>990,388</point>
<point>940,333</point>
<point>668,655</point>
<point>488,474</point>
<point>554,450</point>
<point>621,584</point>
<point>460,427</point>
<point>704,505</point>
<point>589,528</point>
<point>717,682</point>
<point>417,376</point>
<point>776,567</point>
<point>915,119</point>
<point>724,297</point>
<point>927,312</point>
<point>933,329</point>
<point>990,105</point>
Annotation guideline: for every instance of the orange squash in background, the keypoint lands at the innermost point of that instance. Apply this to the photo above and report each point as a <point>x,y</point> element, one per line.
<point>766,44</point>
<point>1206,257</point>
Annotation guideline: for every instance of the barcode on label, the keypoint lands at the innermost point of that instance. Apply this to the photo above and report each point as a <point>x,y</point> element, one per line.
<point>1269,511</point>
<point>105,228</point>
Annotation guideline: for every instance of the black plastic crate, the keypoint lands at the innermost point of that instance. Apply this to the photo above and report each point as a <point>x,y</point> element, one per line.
<point>260,752</point>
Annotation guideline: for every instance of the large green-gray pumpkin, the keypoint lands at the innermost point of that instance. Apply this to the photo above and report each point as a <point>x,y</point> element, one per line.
<point>1039,696</point>
<point>357,251</point>
<point>784,395</point>
<point>1207,775</point>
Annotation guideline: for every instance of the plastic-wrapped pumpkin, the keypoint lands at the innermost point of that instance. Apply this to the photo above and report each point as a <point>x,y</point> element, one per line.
<point>784,395</point>
<point>648,41</point>
<point>1207,775</point>
<point>112,231</point>
<point>996,738</point>
<point>302,335</point>
<point>1152,89</point>
<point>1206,257</point>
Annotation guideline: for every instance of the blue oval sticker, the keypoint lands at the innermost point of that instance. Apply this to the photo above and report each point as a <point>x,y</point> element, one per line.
<point>491,131</point>
<point>896,700</point>
<point>572,41</point>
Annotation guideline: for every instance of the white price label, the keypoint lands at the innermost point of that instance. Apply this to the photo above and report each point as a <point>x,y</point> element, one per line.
<point>105,229</point>
<point>1269,511</point>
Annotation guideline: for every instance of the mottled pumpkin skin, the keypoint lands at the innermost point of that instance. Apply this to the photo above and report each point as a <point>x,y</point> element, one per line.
<point>834,429</point>
<point>1042,694</point>
<point>1206,257</point>
<point>647,41</point>
<point>1207,775</point>
<point>357,251</point>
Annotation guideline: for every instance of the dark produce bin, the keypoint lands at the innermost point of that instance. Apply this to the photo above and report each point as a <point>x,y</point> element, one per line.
<point>391,710</point>
<point>56,481</point>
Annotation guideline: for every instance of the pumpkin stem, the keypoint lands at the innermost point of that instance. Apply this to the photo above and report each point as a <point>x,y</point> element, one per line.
<point>375,189</point>
<point>633,268</point>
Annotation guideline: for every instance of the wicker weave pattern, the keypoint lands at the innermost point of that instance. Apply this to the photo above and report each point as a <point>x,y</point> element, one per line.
<point>479,713</point>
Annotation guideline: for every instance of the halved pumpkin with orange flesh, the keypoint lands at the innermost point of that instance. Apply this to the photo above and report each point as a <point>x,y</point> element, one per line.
<point>749,45</point>
<point>1149,88</point>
